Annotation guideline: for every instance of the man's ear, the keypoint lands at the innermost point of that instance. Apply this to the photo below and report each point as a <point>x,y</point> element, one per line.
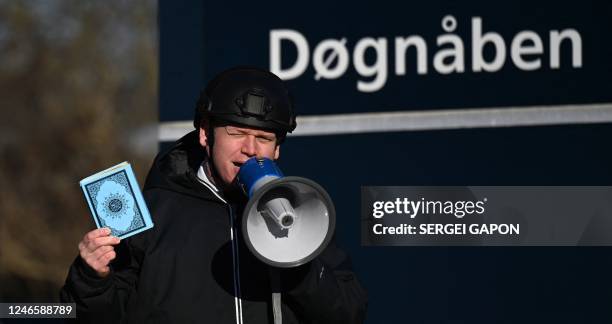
<point>276,152</point>
<point>204,136</point>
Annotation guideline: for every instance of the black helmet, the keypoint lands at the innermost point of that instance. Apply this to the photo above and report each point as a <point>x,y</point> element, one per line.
<point>248,96</point>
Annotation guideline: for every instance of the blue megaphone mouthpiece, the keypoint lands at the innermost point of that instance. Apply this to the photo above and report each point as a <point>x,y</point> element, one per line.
<point>256,172</point>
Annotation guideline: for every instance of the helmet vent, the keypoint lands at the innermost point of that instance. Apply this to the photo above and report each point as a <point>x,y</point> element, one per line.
<point>254,103</point>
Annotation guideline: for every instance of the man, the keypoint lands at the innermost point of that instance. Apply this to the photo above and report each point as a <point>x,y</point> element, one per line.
<point>193,265</point>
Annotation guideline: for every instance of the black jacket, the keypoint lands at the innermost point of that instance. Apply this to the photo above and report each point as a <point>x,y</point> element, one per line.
<point>187,269</point>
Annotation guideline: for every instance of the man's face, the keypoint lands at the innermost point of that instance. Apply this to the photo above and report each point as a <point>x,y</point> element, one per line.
<point>234,145</point>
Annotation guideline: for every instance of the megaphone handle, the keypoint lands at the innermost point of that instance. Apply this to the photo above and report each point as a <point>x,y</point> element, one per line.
<point>275,286</point>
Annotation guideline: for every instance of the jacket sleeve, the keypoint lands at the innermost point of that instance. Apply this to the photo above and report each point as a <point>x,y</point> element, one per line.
<point>326,290</point>
<point>103,299</point>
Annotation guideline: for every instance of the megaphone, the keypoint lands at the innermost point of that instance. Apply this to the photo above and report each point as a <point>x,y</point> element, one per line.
<point>287,221</point>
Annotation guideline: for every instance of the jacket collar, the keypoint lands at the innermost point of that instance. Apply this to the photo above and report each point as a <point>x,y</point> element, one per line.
<point>176,168</point>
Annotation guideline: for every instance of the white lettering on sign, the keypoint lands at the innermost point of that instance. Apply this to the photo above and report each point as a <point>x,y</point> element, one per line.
<point>332,57</point>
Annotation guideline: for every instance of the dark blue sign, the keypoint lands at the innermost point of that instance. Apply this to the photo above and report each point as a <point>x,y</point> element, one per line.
<point>457,74</point>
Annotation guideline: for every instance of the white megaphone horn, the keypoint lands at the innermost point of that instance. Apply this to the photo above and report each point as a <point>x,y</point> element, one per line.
<point>287,221</point>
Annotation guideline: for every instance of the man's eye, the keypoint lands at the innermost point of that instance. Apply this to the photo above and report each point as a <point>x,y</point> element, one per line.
<point>264,139</point>
<point>235,133</point>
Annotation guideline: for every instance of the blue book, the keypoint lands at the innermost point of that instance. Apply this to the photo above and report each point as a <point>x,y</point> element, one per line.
<point>116,202</point>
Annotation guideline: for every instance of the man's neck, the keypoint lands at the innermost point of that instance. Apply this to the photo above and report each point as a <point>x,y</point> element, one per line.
<point>230,192</point>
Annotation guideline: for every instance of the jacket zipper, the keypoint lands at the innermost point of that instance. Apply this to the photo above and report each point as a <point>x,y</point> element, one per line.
<point>235,257</point>
<point>236,264</point>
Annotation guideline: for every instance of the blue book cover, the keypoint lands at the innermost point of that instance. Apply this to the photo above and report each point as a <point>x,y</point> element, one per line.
<point>116,202</point>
